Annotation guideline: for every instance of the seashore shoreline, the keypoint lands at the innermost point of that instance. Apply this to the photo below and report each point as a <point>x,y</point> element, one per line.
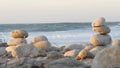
<point>99,52</point>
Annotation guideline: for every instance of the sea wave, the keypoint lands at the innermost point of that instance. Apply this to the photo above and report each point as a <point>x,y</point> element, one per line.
<point>46,27</point>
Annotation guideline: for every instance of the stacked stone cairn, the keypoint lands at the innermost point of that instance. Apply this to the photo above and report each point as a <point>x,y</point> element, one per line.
<point>101,38</point>
<point>18,36</point>
<point>98,41</point>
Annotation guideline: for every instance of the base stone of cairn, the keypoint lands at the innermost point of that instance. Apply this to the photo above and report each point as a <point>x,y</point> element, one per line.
<point>16,41</point>
<point>100,40</point>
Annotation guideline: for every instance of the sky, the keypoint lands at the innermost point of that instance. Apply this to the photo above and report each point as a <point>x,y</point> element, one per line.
<point>53,11</point>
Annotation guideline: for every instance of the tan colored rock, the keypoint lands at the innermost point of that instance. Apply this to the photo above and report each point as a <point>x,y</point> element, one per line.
<point>16,41</point>
<point>102,30</point>
<point>116,42</point>
<point>107,58</point>
<point>100,40</point>
<point>39,38</point>
<point>83,54</point>
<point>17,33</point>
<point>98,22</point>
<point>71,53</point>
<point>42,45</point>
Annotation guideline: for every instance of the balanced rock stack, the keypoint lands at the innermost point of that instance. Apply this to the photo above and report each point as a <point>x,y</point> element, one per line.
<point>18,46</point>
<point>101,38</point>
<point>18,37</point>
<point>98,41</point>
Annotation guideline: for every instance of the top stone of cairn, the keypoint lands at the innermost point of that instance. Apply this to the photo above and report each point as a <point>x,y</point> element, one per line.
<point>98,22</point>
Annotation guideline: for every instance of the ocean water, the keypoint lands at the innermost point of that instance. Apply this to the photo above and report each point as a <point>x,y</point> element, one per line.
<point>58,33</point>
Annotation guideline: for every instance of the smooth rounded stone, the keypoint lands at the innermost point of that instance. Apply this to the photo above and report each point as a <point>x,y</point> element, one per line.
<point>100,40</point>
<point>16,41</point>
<point>17,33</point>
<point>71,53</point>
<point>116,42</point>
<point>101,30</point>
<point>83,54</point>
<point>98,22</point>
<point>88,47</point>
<point>54,55</point>
<point>66,61</point>
<point>96,49</point>
<point>43,45</point>
<point>25,50</point>
<point>107,58</point>
<point>39,38</point>
<point>73,46</point>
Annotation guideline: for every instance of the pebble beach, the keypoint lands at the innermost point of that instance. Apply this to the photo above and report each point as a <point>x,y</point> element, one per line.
<point>100,51</point>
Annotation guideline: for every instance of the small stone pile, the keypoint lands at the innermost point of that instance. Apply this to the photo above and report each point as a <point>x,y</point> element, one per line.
<point>18,37</point>
<point>101,38</point>
<point>98,41</point>
<point>18,46</point>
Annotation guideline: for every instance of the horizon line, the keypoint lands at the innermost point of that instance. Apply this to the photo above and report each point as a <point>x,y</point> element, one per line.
<point>57,22</point>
